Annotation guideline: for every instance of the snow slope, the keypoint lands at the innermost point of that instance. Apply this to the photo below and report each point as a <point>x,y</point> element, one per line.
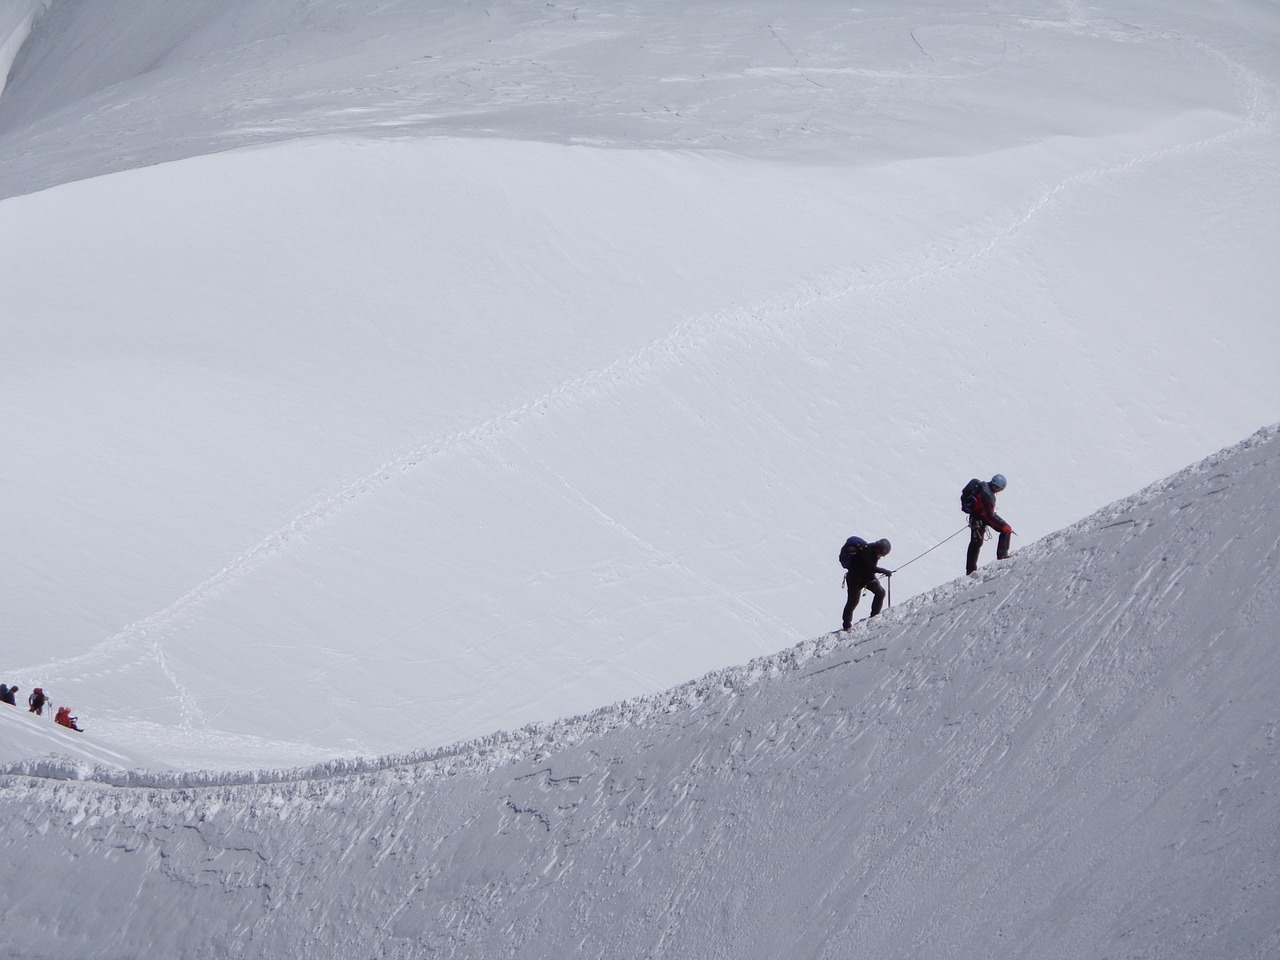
<point>379,375</point>
<point>1072,754</point>
<point>30,736</point>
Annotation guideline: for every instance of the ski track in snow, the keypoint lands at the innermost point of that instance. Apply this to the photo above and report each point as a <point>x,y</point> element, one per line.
<point>564,488</point>
<point>143,640</point>
<point>1073,753</point>
<point>767,318</point>
<point>994,587</point>
<point>998,750</point>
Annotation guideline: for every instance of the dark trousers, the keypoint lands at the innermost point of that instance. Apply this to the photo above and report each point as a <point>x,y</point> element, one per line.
<point>855,592</point>
<point>977,533</point>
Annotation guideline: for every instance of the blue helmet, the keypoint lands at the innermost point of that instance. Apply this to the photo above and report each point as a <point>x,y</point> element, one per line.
<point>998,482</point>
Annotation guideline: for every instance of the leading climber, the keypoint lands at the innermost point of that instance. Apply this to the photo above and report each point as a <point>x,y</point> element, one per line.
<point>978,500</point>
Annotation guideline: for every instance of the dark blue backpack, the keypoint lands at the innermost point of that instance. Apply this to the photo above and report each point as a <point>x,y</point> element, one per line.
<point>969,495</point>
<point>852,547</point>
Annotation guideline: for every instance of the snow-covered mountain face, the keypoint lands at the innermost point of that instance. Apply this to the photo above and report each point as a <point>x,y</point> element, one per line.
<point>1072,754</point>
<point>381,374</point>
<point>117,84</point>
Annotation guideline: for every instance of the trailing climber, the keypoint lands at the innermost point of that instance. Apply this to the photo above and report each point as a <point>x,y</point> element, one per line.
<point>860,560</point>
<point>978,500</point>
<point>65,718</point>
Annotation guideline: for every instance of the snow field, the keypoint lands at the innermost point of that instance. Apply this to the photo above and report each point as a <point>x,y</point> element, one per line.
<point>384,381</point>
<point>1061,754</point>
<point>485,522</point>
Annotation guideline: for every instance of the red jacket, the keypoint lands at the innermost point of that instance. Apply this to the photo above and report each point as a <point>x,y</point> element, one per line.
<point>984,509</point>
<point>65,718</point>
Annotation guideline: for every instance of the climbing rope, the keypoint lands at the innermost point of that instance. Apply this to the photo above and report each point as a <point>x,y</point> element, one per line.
<point>888,581</point>
<point>933,548</point>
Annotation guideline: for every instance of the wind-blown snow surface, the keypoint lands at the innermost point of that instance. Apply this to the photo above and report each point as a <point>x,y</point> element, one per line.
<point>1073,754</point>
<point>468,365</point>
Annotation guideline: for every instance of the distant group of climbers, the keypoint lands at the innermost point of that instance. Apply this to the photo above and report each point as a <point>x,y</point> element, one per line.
<point>36,703</point>
<point>861,559</point>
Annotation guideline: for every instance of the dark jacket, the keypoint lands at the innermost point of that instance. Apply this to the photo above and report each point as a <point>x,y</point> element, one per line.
<point>863,569</point>
<point>984,508</point>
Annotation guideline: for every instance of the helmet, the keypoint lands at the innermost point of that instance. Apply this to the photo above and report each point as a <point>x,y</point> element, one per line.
<point>884,546</point>
<point>998,482</point>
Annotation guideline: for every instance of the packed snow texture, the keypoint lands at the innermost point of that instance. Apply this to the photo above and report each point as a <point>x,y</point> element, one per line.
<point>383,375</point>
<point>1072,754</point>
